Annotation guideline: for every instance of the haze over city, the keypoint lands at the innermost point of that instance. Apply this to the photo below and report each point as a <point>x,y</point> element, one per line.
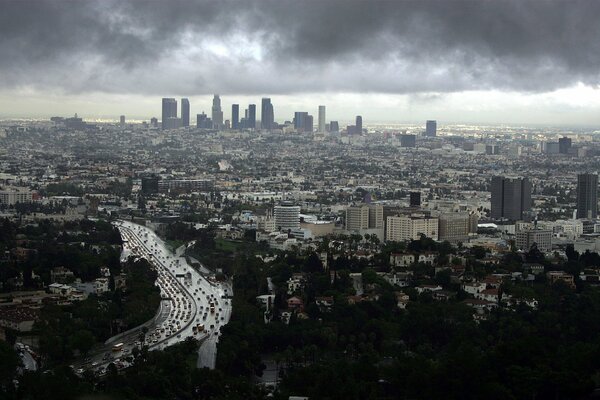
<point>496,62</point>
<point>299,200</point>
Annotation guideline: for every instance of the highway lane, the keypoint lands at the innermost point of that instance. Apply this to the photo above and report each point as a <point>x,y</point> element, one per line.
<point>192,305</point>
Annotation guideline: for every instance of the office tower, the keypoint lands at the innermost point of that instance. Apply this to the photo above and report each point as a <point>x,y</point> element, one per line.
<point>300,120</point>
<point>321,118</point>
<point>365,216</point>
<point>455,227</point>
<point>154,122</point>
<point>375,216</point>
<point>185,112</point>
<point>287,216</point>
<point>359,126</point>
<point>217,113</point>
<point>308,123</point>
<point>587,196</point>
<point>203,122</point>
<point>357,218</point>
<point>492,149</point>
<point>150,184</point>
<point>431,128</point>
<point>511,197</point>
<point>251,116</point>
<point>400,228</point>
<point>169,110</point>
<point>235,116</point>
<point>415,199</point>
<point>541,237</point>
<point>266,117</point>
<point>564,144</point>
<point>334,126</point>
<point>122,120</point>
<point>408,140</point>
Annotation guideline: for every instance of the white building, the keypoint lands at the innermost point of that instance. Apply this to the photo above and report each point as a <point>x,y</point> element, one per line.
<point>11,196</point>
<point>541,237</point>
<point>400,228</point>
<point>287,216</point>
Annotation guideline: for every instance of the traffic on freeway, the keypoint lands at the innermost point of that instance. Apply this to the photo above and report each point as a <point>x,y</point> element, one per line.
<point>192,306</point>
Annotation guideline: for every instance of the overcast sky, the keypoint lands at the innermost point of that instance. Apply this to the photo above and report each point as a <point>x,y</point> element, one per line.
<point>493,61</point>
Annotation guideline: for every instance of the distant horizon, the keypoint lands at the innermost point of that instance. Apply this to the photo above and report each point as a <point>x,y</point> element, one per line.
<point>500,62</point>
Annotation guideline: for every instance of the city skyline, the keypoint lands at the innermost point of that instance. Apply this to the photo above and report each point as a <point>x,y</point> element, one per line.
<point>536,64</point>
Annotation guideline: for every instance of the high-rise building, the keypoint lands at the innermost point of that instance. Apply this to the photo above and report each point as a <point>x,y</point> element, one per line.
<point>287,216</point>
<point>267,117</point>
<point>415,199</point>
<point>456,227</point>
<point>408,140</point>
<point>150,184</point>
<point>359,126</point>
<point>299,120</point>
<point>169,110</point>
<point>321,118</point>
<point>203,122</point>
<point>334,126</point>
<point>511,197</point>
<point>431,128</point>
<point>357,218</point>
<point>217,113</point>
<point>185,112</point>
<point>235,116</point>
<point>308,123</point>
<point>587,196</point>
<point>564,144</point>
<point>400,228</point>
<point>541,237</point>
<point>251,116</point>
<point>122,120</point>
<point>154,122</point>
<point>365,216</point>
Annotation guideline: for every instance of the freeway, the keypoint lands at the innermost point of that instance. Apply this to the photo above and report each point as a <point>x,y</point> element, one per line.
<point>191,306</point>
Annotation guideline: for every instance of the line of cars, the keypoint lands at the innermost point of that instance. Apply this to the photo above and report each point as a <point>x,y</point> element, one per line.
<point>190,304</point>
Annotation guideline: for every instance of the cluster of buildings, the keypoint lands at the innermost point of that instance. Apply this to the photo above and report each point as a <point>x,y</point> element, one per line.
<point>301,122</point>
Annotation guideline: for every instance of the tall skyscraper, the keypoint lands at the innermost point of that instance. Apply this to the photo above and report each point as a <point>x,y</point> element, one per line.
<point>308,123</point>
<point>300,120</point>
<point>321,118</point>
<point>235,116</point>
<point>217,113</point>
<point>587,196</point>
<point>252,116</point>
<point>564,144</point>
<point>334,126</point>
<point>431,128</point>
<point>511,197</point>
<point>266,116</point>
<point>359,126</point>
<point>169,110</point>
<point>185,112</point>
<point>122,121</point>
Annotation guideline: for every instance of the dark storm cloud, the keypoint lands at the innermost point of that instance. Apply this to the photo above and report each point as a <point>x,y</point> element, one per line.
<point>302,46</point>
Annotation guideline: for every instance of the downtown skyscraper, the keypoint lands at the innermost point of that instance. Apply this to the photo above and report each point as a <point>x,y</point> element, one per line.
<point>267,117</point>
<point>185,112</point>
<point>169,111</point>
<point>431,128</point>
<point>321,119</point>
<point>511,197</point>
<point>235,116</point>
<point>587,196</point>
<point>217,113</point>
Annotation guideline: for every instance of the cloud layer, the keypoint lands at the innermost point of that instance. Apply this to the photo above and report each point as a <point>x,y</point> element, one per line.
<point>285,47</point>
